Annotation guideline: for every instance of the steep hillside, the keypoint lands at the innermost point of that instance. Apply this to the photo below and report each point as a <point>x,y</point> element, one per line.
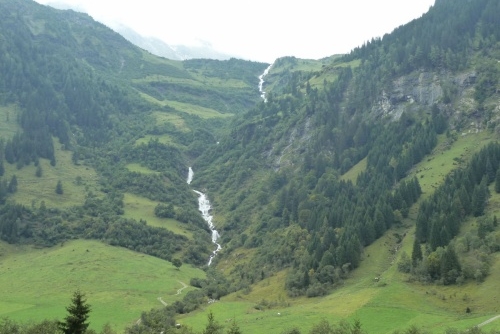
<point>277,180</point>
<point>369,178</point>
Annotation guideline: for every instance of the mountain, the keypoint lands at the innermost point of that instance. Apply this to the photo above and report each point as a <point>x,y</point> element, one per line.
<point>74,89</point>
<point>175,52</point>
<point>155,45</point>
<point>366,185</point>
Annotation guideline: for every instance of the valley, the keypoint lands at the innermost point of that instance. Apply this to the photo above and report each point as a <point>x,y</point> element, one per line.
<point>354,191</point>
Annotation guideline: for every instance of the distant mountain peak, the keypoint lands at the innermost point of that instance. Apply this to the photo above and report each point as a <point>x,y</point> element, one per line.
<point>176,52</point>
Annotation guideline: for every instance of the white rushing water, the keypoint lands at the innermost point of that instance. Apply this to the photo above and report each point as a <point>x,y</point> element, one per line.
<point>261,83</point>
<point>205,207</point>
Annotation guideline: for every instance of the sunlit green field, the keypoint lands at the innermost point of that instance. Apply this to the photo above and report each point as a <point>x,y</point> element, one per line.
<point>37,284</point>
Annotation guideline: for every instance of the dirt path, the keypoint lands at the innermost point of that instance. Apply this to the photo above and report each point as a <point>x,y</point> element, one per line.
<point>183,287</point>
<point>488,321</point>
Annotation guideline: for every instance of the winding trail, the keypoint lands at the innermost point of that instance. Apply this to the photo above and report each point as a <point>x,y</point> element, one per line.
<point>488,321</point>
<point>184,285</point>
<point>162,301</point>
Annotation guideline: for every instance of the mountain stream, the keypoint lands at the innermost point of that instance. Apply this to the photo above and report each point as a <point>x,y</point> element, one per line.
<point>205,207</point>
<point>261,83</point>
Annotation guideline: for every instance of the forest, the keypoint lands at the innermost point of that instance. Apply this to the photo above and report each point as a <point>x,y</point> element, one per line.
<point>301,183</point>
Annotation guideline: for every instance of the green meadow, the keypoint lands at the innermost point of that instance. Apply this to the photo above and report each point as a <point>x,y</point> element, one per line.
<point>76,180</point>
<point>187,108</point>
<point>138,208</point>
<point>200,81</point>
<point>163,139</point>
<point>163,118</point>
<point>119,284</point>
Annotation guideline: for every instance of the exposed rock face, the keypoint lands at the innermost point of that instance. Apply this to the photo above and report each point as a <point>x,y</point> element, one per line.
<point>421,90</point>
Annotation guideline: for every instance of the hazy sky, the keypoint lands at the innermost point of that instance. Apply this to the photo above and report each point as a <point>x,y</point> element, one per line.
<point>259,29</point>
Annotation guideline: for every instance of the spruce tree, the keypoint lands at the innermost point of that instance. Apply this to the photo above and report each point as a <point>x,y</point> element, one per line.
<point>76,321</point>
<point>234,329</point>
<point>39,171</point>
<point>416,254</point>
<point>59,188</point>
<point>12,188</point>
<point>497,182</point>
<point>213,327</point>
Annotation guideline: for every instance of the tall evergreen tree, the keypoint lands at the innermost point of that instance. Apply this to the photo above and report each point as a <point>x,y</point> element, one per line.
<point>416,254</point>
<point>12,188</point>
<point>213,327</point>
<point>450,266</point>
<point>78,314</point>
<point>59,188</point>
<point>497,182</point>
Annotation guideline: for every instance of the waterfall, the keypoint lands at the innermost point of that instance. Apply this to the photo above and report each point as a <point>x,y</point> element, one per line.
<point>204,206</point>
<point>261,83</point>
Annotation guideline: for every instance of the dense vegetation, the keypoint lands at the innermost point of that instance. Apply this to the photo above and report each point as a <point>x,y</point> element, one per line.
<point>305,216</point>
<point>302,182</point>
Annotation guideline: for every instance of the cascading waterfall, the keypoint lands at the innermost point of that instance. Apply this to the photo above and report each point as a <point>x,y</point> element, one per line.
<point>261,83</point>
<point>205,207</point>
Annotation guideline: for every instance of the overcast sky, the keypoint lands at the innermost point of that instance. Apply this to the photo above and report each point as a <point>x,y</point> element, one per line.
<point>261,30</point>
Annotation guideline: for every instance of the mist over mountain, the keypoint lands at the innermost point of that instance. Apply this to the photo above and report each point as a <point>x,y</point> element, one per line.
<point>162,49</point>
<point>155,45</point>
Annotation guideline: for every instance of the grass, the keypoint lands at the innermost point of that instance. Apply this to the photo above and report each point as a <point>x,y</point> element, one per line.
<point>200,81</point>
<point>136,167</point>
<point>76,181</point>
<point>187,108</point>
<point>176,120</point>
<point>446,157</point>
<point>137,208</point>
<point>164,139</point>
<point>119,284</point>
<point>352,174</point>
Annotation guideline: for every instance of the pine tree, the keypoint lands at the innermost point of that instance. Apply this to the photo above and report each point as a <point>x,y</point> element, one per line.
<point>234,329</point>
<point>213,327</point>
<point>39,171</point>
<point>450,266</point>
<point>2,167</point>
<point>497,182</point>
<point>59,188</point>
<point>76,321</point>
<point>416,254</point>
<point>12,188</point>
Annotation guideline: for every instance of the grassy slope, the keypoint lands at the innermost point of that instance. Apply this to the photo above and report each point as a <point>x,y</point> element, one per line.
<point>384,306</point>
<point>32,190</point>
<point>138,207</point>
<point>119,284</point>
